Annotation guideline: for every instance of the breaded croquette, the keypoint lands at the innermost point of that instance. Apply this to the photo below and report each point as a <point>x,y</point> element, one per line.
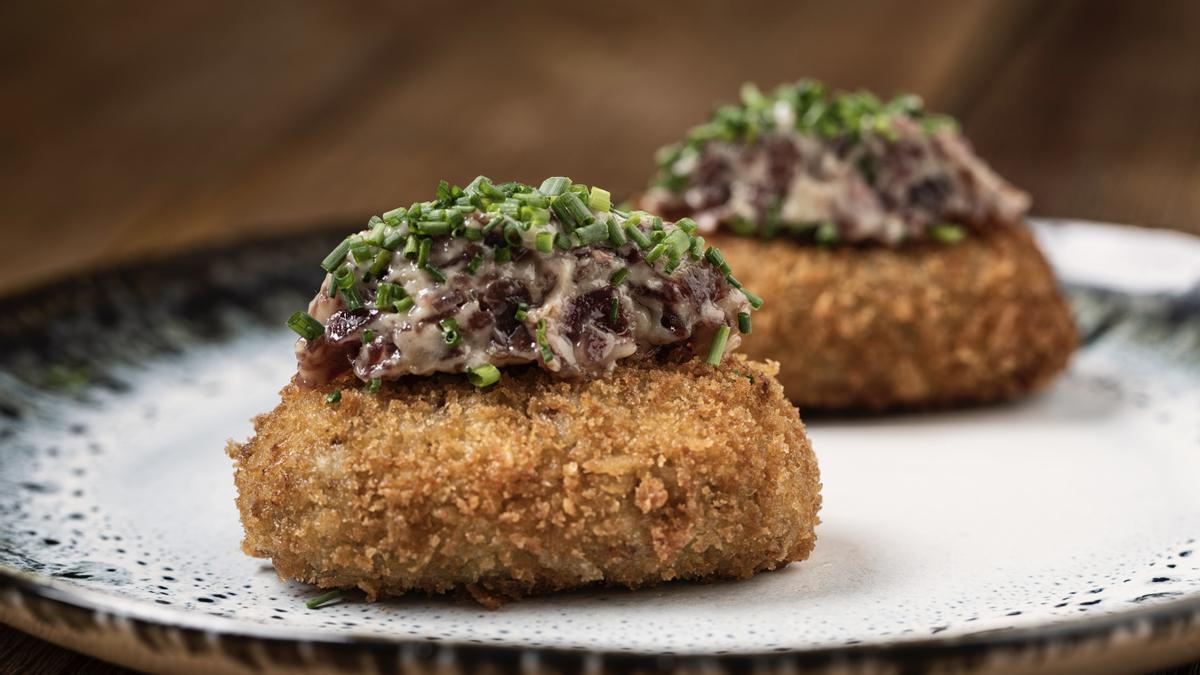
<point>657,472</point>
<point>900,271</point>
<point>919,326</point>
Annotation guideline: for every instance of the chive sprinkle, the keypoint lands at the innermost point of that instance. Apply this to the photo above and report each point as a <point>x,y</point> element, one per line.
<point>545,242</point>
<point>333,397</point>
<point>483,375</point>
<point>619,276</point>
<point>615,234</point>
<point>336,256</point>
<point>474,263</point>
<point>947,233</point>
<point>522,311</point>
<point>599,200</point>
<point>635,233</point>
<point>744,322</point>
<point>717,349</point>
<point>450,332</point>
<point>306,326</point>
<point>554,186</point>
<point>404,304</point>
<point>374,385</point>
<point>352,298</point>
<point>323,599</point>
<point>614,309</point>
<point>543,342</point>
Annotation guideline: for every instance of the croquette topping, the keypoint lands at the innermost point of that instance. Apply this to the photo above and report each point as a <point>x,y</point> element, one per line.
<point>494,275</point>
<point>832,167</point>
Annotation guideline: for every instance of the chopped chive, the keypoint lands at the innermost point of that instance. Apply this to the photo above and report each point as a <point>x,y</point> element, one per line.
<point>450,332</point>
<point>554,186</point>
<point>635,233</point>
<point>656,252</point>
<point>385,294</point>
<point>473,233</point>
<point>543,342</point>
<point>433,228</point>
<point>359,249</point>
<point>305,326</point>
<point>571,211</point>
<point>562,241</point>
<point>512,234</point>
<point>373,386</point>
<point>615,234</point>
<point>423,252</point>
<point>592,233</point>
<point>435,273</point>
<point>336,256</point>
<point>687,225</point>
<point>614,309</point>
<point>599,199</point>
<point>502,255</point>
<point>474,263</point>
<point>444,192</point>
<point>344,276</point>
<point>522,311</point>
<point>353,300</point>
<point>717,349</point>
<point>947,233</point>
<point>697,250</point>
<point>395,215</point>
<point>755,301</point>
<point>327,597</point>
<point>533,199</point>
<point>483,375</point>
<point>678,242</point>
<point>545,241</point>
<point>368,336</point>
<point>744,322</point>
<point>826,233</point>
<point>411,247</point>
<point>392,240</point>
<point>619,276</point>
<point>714,256</point>
<point>671,266</point>
<point>333,396</point>
<point>381,262</point>
<point>404,304</point>
<point>375,236</point>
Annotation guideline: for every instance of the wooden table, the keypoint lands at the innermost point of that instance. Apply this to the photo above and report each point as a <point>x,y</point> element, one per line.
<point>140,128</point>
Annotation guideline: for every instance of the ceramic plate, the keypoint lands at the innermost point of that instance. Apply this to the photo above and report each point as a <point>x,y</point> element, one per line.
<point>1056,533</point>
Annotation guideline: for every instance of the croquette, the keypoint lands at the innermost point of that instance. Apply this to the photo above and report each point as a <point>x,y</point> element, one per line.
<point>922,326</point>
<point>897,264</point>
<point>656,472</point>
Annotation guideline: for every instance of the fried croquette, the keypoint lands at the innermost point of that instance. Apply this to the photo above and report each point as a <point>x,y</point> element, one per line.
<point>928,325</point>
<point>655,472</point>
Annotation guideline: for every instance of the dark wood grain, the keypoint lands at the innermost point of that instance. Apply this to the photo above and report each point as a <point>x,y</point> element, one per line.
<point>140,127</point>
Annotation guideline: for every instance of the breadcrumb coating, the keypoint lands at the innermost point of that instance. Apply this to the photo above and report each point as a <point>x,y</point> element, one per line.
<point>657,472</point>
<point>920,326</point>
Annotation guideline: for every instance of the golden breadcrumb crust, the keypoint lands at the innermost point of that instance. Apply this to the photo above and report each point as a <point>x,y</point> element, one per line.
<point>929,325</point>
<point>657,472</point>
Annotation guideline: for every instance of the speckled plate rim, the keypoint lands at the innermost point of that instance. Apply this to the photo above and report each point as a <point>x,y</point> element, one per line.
<point>81,619</point>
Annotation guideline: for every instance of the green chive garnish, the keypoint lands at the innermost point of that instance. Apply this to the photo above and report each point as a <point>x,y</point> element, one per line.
<point>614,309</point>
<point>543,342</point>
<point>947,233</point>
<point>483,375</point>
<point>502,254</point>
<point>374,385</point>
<point>545,242</point>
<point>619,276</point>
<point>826,233</point>
<point>714,256</point>
<point>755,301</point>
<point>306,326</point>
<point>411,247</point>
<point>381,262</point>
<point>435,274</point>
<point>323,599</point>
<point>717,349</point>
<point>368,336</point>
<point>592,233</point>
<point>599,200</point>
<point>522,311</point>
<point>474,263</point>
<point>359,249</point>
<point>353,300</point>
<point>433,228</point>
<point>571,211</point>
<point>615,234</point>
<point>334,396</point>
<point>404,304</point>
<point>555,186</point>
<point>450,332</point>
<point>336,256</point>
<point>423,252</point>
<point>743,322</point>
<point>635,233</point>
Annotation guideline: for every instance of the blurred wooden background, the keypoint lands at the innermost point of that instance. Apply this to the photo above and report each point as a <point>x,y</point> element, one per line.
<point>129,127</point>
<point>137,127</point>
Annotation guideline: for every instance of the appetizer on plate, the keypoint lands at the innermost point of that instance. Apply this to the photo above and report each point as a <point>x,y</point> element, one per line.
<point>899,268</point>
<point>512,390</point>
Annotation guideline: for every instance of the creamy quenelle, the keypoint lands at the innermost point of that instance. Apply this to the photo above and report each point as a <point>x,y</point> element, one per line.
<point>832,168</point>
<point>490,275</point>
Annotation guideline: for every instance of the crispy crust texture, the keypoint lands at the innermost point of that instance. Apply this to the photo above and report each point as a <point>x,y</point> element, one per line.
<point>658,472</point>
<point>925,326</point>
